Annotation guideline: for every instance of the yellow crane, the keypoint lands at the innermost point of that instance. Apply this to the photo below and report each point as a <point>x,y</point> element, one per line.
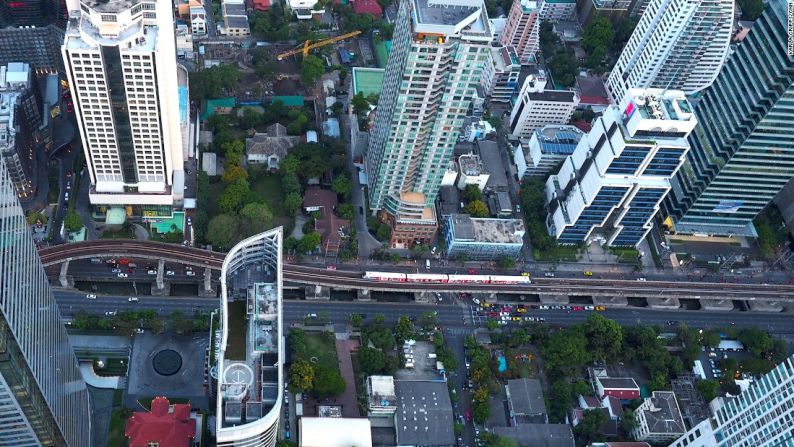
<point>309,45</point>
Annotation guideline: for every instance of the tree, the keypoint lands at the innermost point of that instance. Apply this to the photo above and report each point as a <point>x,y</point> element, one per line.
<point>372,361</point>
<point>628,422</point>
<point>290,182</point>
<point>73,222</point>
<point>346,211</point>
<point>589,427</point>
<point>564,66</point>
<point>404,329</point>
<point>211,82</point>
<point>233,174</point>
<point>327,382</point>
<point>223,231</point>
<point>179,323</point>
<point>711,338</point>
<point>505,262</point>
<point>472,193</point>
<point>356,320</point>
<point>292,203</point>
<point>255,218</point>
<point>231,198</point>
<point>605,337</point>
<point>289,165</point>
<point>251,118</point>
<point>492,440</point>
<point>342,185</point>
<point>751,9</point>
<point>429,320</point>
<point>756,341</point>
<point>566,351</point>
<point>309,242</point>
<point>708,389</point>
<point>233,151</point>
<point>598,33</point>
<point>312,69</point>
<point>383,232</point>
<point>301,374</point>
<point>476,208</point>
<point>360,104</point>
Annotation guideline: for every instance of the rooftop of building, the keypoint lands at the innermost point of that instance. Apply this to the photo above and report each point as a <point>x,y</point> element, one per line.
<point>368,7</point>
<point>492,161</point>
<point>526,396</point>
<point>566,96</point>
<point>113,6</point>
<point>505,57</point>
<point>618,383</point>
<point>592,90</point>
<point>161,425</point>
<point>273,142</point>
<point>382,390</point>
<point>335,432</point>
<point>318,197</point>
<point>367,80</point>
<point>662,413</point>
<point>81,33</point>
<point>470,164</point>
<point>538,435</point>
<point>658,104</point>
<point>451,17</point>
<point>558,139</point>
<point>494,231</point>
<point>424,413</point>
<point>235,21</point>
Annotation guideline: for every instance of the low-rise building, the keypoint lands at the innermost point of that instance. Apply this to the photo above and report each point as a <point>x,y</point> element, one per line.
<point>483,239</point>
<point>304,9</point>
<point>471,172</point>
<point>547,149</point>
<point>381,396</point>
<point>271,147</point>
<point>538,435</point>
<point>500,74</point>
<point>198,20</point>
<point>335,432</point>
<point>556,10</point>
<point>410,219</point>
<point>604,384</point>
<point>525,401</point>
<point>537,107</point>
<point>659,419</point>
<point>424,414</point>
<point>475,129</point>
<point>164,425</point>
<point>235,19</point>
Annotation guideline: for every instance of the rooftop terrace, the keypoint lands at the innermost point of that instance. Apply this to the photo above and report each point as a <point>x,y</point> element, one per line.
<point>494,231</point>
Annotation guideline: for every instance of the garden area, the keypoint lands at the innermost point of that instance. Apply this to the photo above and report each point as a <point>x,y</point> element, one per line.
<point>238,331</point>
<point>315,366</point>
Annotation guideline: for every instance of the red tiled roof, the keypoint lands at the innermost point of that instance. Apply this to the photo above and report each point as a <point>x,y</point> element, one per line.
<point>318,197</point>
<point>260,5</point>
<point>582,125</point>
<point>175,429</point>
<point>367,7</point>
<point>594,100</point>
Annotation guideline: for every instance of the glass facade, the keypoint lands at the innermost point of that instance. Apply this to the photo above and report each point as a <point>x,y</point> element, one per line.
<point>743,149</point>
<point>43,399</point>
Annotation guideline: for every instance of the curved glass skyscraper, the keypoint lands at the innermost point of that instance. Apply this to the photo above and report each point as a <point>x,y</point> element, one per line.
<point>43,399</point>
<point>250,378</point>
<point>742,152</point>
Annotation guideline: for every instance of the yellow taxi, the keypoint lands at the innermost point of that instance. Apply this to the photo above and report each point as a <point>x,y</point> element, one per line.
<point>588,273</point>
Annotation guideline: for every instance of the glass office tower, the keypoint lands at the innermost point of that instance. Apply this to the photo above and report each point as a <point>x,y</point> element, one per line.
<point>43,399</point>
<point>742,152</point>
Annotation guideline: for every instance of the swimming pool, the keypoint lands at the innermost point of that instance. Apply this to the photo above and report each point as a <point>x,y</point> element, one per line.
<point>502,364</point>
<point>183,104</point>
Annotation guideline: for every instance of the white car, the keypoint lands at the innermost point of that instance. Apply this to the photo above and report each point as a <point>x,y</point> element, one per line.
<point>133,299</point>
<point>476,301</point>
<point>110,313</point>
<point>91,296</point>
<point>170,273</point>
<point>641,279</point>
<point>151,272</point>
<point>549,274</point>
<point>190,273</point>
<point>122,275</point>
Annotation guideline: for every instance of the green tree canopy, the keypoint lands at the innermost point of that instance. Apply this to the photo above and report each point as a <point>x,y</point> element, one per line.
<point>255,218</point>
<point>211,82</point>
<point>605,337</point>
<point>404,329</point>
<point>360,103</point>
<point>372,360</point>
<point>598,33</point>
<point>346,211</point>
<point>476,208</point>
<point>566,351</point>
<point>589,427</point>
<point>292,203</point>
<point>312,68</point>
<point>708,389</point>
<point>327,382</point>
<point>342,185</point>
<point>223,231</point>
<point>231,199</point>
<point>302,375</point>
<point>233,174</point>
<point>72,221</point>
<point>309,242</point>
<point>472,193</point>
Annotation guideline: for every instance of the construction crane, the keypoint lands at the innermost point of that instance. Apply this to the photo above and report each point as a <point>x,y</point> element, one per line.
<point>309,45</point>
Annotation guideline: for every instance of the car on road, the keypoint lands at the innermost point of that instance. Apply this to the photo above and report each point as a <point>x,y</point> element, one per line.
<point>311,315</point>
<point>577,308</point>
<point>361,210</point>
<point>133,299</point>
<point>115,270</point>
<point>439,297</point>
<point>91,296</point>
<point>66,196</point>
<point>549,274</point>
<point>588,273</point>
<point>472,271</point>
<point>600,308</point>
<point>170,273</point>
<point>110,313</point>
<point>476,301</point>
<point>641,279</point>
<point>139,331</point>
<point>190,273</point>
<point>330,267</point>
<point>524,273</point>
<point>151,272</point>
<point>122,275</point>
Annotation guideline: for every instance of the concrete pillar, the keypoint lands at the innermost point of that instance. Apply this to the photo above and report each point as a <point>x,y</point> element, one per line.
<point>206,289</point>
<point>664,303</point>
<point>315,292</point>
<point>363,295</point>
<point>610,301</point>
<point>554,300</point>
<point>63,278</point>
<point>716,305</point>
<point>160,284</point>
<point>765,306</point>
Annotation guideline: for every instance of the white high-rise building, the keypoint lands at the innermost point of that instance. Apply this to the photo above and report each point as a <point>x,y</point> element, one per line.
<point>761,416</point>
<point>250,379</point>
<point>610,188</point>
<point>120,60</point>
<point>677,44</point>
<point>439,51</point>
<point>537,107</point>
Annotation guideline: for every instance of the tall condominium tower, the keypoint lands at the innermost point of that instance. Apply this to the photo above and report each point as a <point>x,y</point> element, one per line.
<point>678,44</point>
<point>760,416</point>
<point>743,151</point>
<point>250,379</point>
<point>522,29</point>
<point>120,59</point>
<point>439,50</point>
<point>43,399</point>
<point>610,188</point>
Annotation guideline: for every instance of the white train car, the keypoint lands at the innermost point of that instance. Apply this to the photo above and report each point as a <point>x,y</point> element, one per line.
<point>385,276</point>
<point>496,279</point>
<point>469,279</point>
<point>427,277</point>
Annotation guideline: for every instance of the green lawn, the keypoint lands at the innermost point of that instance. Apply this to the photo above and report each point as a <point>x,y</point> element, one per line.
<point>120,234</point>
<point>238,331</point>
<point>557,253</point>
<point>323,349</point>
<point>268,187</point>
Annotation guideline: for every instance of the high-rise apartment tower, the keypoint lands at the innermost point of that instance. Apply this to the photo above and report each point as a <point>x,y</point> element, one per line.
<point>522,30</point>
<point>439,50</point>
<point>120,59</point>
<point>677,44</point>
<point>760,416</point>
<point>743,150</point>
<point>43,399</point>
